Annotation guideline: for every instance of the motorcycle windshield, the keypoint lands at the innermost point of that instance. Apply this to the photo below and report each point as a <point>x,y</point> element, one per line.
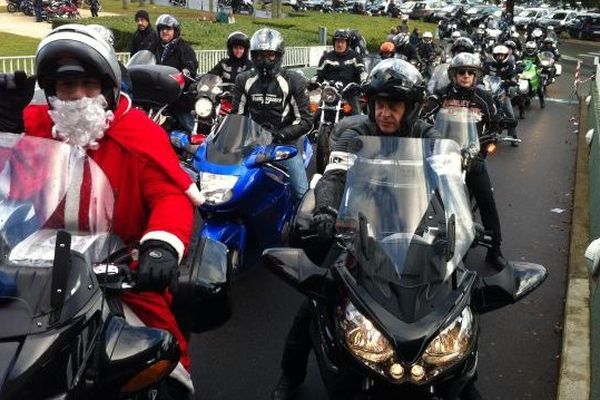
<point>492,83</point>
<point>439,79</point>
<point>210,85</point>
<point>142,57</point>
<point>408,190</point>
<point>546,57</point>
<point>460,125</point>
<point>235,139</point>
<point>47,186</point>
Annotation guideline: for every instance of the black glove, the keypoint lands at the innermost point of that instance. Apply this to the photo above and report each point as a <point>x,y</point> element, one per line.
<point>323,222</point>
<point>281,136</point>
<point>158,266</point>
<point>16,91</point>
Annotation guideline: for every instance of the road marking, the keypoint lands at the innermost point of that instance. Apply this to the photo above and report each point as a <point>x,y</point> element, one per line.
<point>560,101</point>
<point>569,58</point>
<point>587,55</point>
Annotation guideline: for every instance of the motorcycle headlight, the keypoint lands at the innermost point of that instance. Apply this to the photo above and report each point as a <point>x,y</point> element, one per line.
<point>329,95</point>
<point>203,107</point>
<point>523,86</point>
<point>452,343</point>
<point>216,188</point>
<point>362,338</point>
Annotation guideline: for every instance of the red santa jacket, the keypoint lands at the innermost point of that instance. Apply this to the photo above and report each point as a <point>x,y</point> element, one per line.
<point>153,194</point>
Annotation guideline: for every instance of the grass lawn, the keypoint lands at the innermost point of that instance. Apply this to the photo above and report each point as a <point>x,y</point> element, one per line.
<point>199,28</point>
<point>298,29</point>
<point>16,45</point>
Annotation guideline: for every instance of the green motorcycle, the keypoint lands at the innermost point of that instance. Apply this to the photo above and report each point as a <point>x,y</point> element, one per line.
<point>529,86</point>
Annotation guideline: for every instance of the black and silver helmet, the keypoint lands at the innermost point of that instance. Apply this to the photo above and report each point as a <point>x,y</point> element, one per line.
<point>342,34</point>
<point>462,45</point>
<point>168,21</point>
<point>530,48</point>
<point>267,40</point>
<point>464,61</point>
<point>75,49</point>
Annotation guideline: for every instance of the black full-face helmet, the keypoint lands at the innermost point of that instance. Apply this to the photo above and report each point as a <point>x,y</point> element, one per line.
<point>396,80</point>
<point>168,21</point>
<point>263,41</point>
<point>78,50</point>
<point>238,39</point>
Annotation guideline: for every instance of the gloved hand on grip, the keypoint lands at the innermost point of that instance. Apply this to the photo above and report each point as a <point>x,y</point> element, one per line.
<point>16,91</point>
<point>282,136</point>
<point>157,268</point>
<point>323,222</point>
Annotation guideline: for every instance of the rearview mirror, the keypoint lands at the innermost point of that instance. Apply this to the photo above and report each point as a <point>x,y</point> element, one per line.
<point>295,268</point>
<point>508,286</point>
<point>269,154</point>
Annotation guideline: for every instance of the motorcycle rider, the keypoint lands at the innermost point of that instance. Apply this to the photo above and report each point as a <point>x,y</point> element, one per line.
<point>386,50</point>
<point>80,76</point>
<point>238,45</point>
<point>426,48</point>
<point>275,98</point>
<point>145,37</point>
<point>344,65</point>
<point>395,92</point>
<point>463,92</point>
<point>478,36</point>
<point>548,44</point>
<point>175,52</point>
<point>503,66</point>
<point>531,53</point>
<point>404,49</point>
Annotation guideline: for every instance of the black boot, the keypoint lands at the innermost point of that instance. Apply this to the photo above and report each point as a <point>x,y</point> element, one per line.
<point>494,256</point>
<point>286,387</point>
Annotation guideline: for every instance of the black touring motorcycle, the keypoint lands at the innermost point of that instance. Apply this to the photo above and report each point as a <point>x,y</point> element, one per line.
<point>395,310</point>
<point>63,332</point>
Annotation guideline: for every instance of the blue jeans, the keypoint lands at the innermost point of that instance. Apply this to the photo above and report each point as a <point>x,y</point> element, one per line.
<point>508,110</point>
<point>184,118</point>
<point>298,178</point>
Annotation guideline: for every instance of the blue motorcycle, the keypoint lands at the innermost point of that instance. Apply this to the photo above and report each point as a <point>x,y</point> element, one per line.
<point>248,194</point>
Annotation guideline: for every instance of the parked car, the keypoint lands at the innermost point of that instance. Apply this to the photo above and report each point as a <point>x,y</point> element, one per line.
<point>424,10</point>
<point>585,26</point>
<point>314,5</point>
<point>447,11</point>
<point>528,16</point>
<point>477,14</point>
<point>558,19</point>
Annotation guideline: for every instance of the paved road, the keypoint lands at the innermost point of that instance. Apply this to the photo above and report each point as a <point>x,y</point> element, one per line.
<point>519,351</point>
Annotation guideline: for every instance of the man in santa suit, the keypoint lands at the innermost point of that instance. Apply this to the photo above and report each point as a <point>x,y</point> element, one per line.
<point>81,78</point>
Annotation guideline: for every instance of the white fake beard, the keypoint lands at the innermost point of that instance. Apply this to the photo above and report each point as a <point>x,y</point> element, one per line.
<point>80,122</point>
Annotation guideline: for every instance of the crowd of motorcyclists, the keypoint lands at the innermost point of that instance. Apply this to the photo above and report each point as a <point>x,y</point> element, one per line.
<point>82,81</point>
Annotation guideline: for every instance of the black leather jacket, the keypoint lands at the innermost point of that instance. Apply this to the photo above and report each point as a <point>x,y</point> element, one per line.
<point>145,40</point>
<point>229,68</point>
<point>407,52</point>
<point>329,189</point>
<point>178,54</point>
<point>505,70</point>
<point>279,103</point>
<point>347,67</point>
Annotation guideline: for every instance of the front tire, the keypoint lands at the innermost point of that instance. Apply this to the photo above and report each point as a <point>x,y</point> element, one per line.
<point>323,149</point>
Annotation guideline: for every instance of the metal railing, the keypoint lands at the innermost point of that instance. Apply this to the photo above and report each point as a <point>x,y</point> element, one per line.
<point>294,57</point>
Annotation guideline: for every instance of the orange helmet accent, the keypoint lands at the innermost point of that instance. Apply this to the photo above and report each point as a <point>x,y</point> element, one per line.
<point>386,47</point>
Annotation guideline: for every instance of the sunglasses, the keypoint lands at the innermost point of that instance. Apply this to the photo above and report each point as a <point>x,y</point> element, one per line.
<point>465,72</point>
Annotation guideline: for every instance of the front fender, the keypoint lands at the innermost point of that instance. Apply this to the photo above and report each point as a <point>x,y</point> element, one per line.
<point>232,234</point>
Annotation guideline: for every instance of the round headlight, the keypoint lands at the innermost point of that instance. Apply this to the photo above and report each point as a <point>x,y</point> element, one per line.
<point>329,95</point>
<point>203,107</point>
